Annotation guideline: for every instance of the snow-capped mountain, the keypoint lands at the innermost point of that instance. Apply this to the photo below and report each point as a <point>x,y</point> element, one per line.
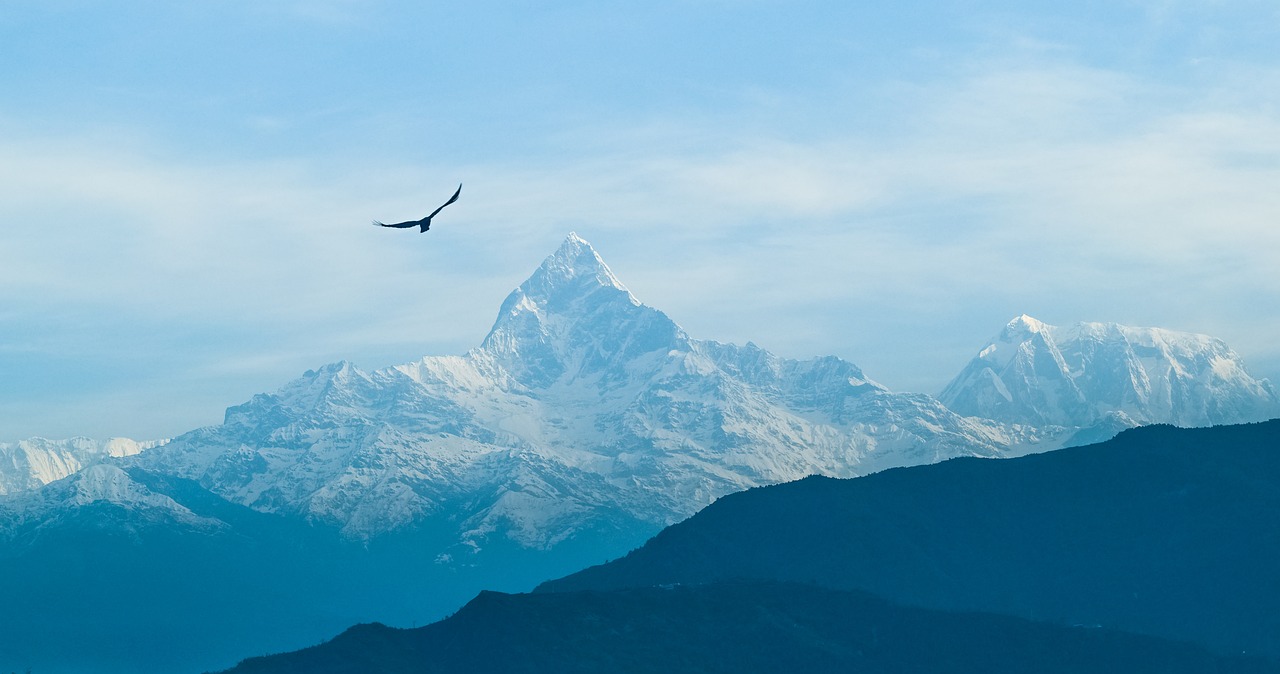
<point>1091,373</point>
<point>32,463</point>
<point>96,484</point>
<point>582,409</point>
<point>585,412</point>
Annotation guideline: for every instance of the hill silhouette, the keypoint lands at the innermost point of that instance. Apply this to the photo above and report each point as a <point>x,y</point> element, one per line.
<point>732,628</point>
<point>1162,531</point>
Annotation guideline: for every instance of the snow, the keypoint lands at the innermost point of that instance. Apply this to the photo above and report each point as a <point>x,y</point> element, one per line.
<point>1025,324</point>
<point>32,463</point>
<point>1083,374</point>
<point>98,483</point>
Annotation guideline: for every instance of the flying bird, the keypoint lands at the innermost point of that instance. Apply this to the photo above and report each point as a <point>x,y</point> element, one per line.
<point>424,223</point>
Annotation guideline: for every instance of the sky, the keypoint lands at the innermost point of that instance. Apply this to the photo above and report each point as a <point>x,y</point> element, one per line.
<point>186,188</point>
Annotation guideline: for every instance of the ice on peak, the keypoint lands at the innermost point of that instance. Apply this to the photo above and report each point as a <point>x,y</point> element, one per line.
<point>121,447</point>
<point>341,367</point>
<point>573,318</point>
<point>572,283</point>
<point>574,259</point>
<point>339,373</point>
<point>1024,324</point>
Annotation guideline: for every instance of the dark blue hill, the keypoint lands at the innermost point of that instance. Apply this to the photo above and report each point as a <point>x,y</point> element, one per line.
<point>731,627</point>
<point>1161,531</point>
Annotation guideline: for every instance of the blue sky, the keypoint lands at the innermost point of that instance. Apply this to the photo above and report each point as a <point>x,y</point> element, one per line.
<point>185,188</point>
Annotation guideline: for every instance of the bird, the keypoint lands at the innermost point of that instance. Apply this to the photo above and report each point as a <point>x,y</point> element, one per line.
<point>424,223</point>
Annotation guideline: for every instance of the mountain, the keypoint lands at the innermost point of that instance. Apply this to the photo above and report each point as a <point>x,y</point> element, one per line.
<point>582,424</point>
<point>33,511</point>
<point>1161,531</point>
<point>736,627</point>
<point>1092,374</point>
<point>582,413</point>
<point>30,464</point>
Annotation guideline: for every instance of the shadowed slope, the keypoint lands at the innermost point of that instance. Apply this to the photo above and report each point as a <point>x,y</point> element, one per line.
<point>1163,531</point>
<point>734,627</point>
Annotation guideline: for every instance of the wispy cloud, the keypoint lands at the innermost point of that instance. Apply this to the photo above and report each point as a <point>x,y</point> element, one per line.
<point>900,240</point>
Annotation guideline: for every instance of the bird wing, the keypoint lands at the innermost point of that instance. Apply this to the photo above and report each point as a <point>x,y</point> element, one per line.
<point>424,223</point>
<point>451,200</point>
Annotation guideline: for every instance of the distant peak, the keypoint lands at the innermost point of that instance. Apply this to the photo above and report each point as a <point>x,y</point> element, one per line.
<point>570,311</point>
<point>573,244</point>
<point>575,259</point>
<point>1025,324</point>
<point>574,271</point>
<point>335,369</point>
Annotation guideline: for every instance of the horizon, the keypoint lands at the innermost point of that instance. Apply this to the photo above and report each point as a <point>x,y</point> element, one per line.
<point>188,189</point>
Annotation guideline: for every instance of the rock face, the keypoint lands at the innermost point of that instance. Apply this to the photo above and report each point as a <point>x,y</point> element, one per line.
<point>1103,373</point>
<point>583,409</point>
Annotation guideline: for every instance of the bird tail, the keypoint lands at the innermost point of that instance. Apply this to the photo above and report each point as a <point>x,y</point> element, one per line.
<point>426,224</point>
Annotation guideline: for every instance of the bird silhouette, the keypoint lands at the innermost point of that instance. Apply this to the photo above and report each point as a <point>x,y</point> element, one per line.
<point>424,223</point>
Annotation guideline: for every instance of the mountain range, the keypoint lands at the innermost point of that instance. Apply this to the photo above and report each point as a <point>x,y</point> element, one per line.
<point>583,424</point>
<point>581,409</point>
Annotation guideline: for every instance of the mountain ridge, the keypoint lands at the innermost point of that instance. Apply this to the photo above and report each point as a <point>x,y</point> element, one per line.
<point>1163,531</point>
<point>589,398</point>
<point>34,462</point>
<point>1091,373</point>
<point>736,626</point>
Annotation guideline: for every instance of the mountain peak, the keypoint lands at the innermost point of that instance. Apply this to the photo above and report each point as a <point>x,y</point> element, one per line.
<point>1024,325</point>
<point>568,276</point>
<point>571,314</point>
<point>574,260</point>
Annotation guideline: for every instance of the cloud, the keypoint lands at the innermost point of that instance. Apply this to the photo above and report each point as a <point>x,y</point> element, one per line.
<point>1065,191</point>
